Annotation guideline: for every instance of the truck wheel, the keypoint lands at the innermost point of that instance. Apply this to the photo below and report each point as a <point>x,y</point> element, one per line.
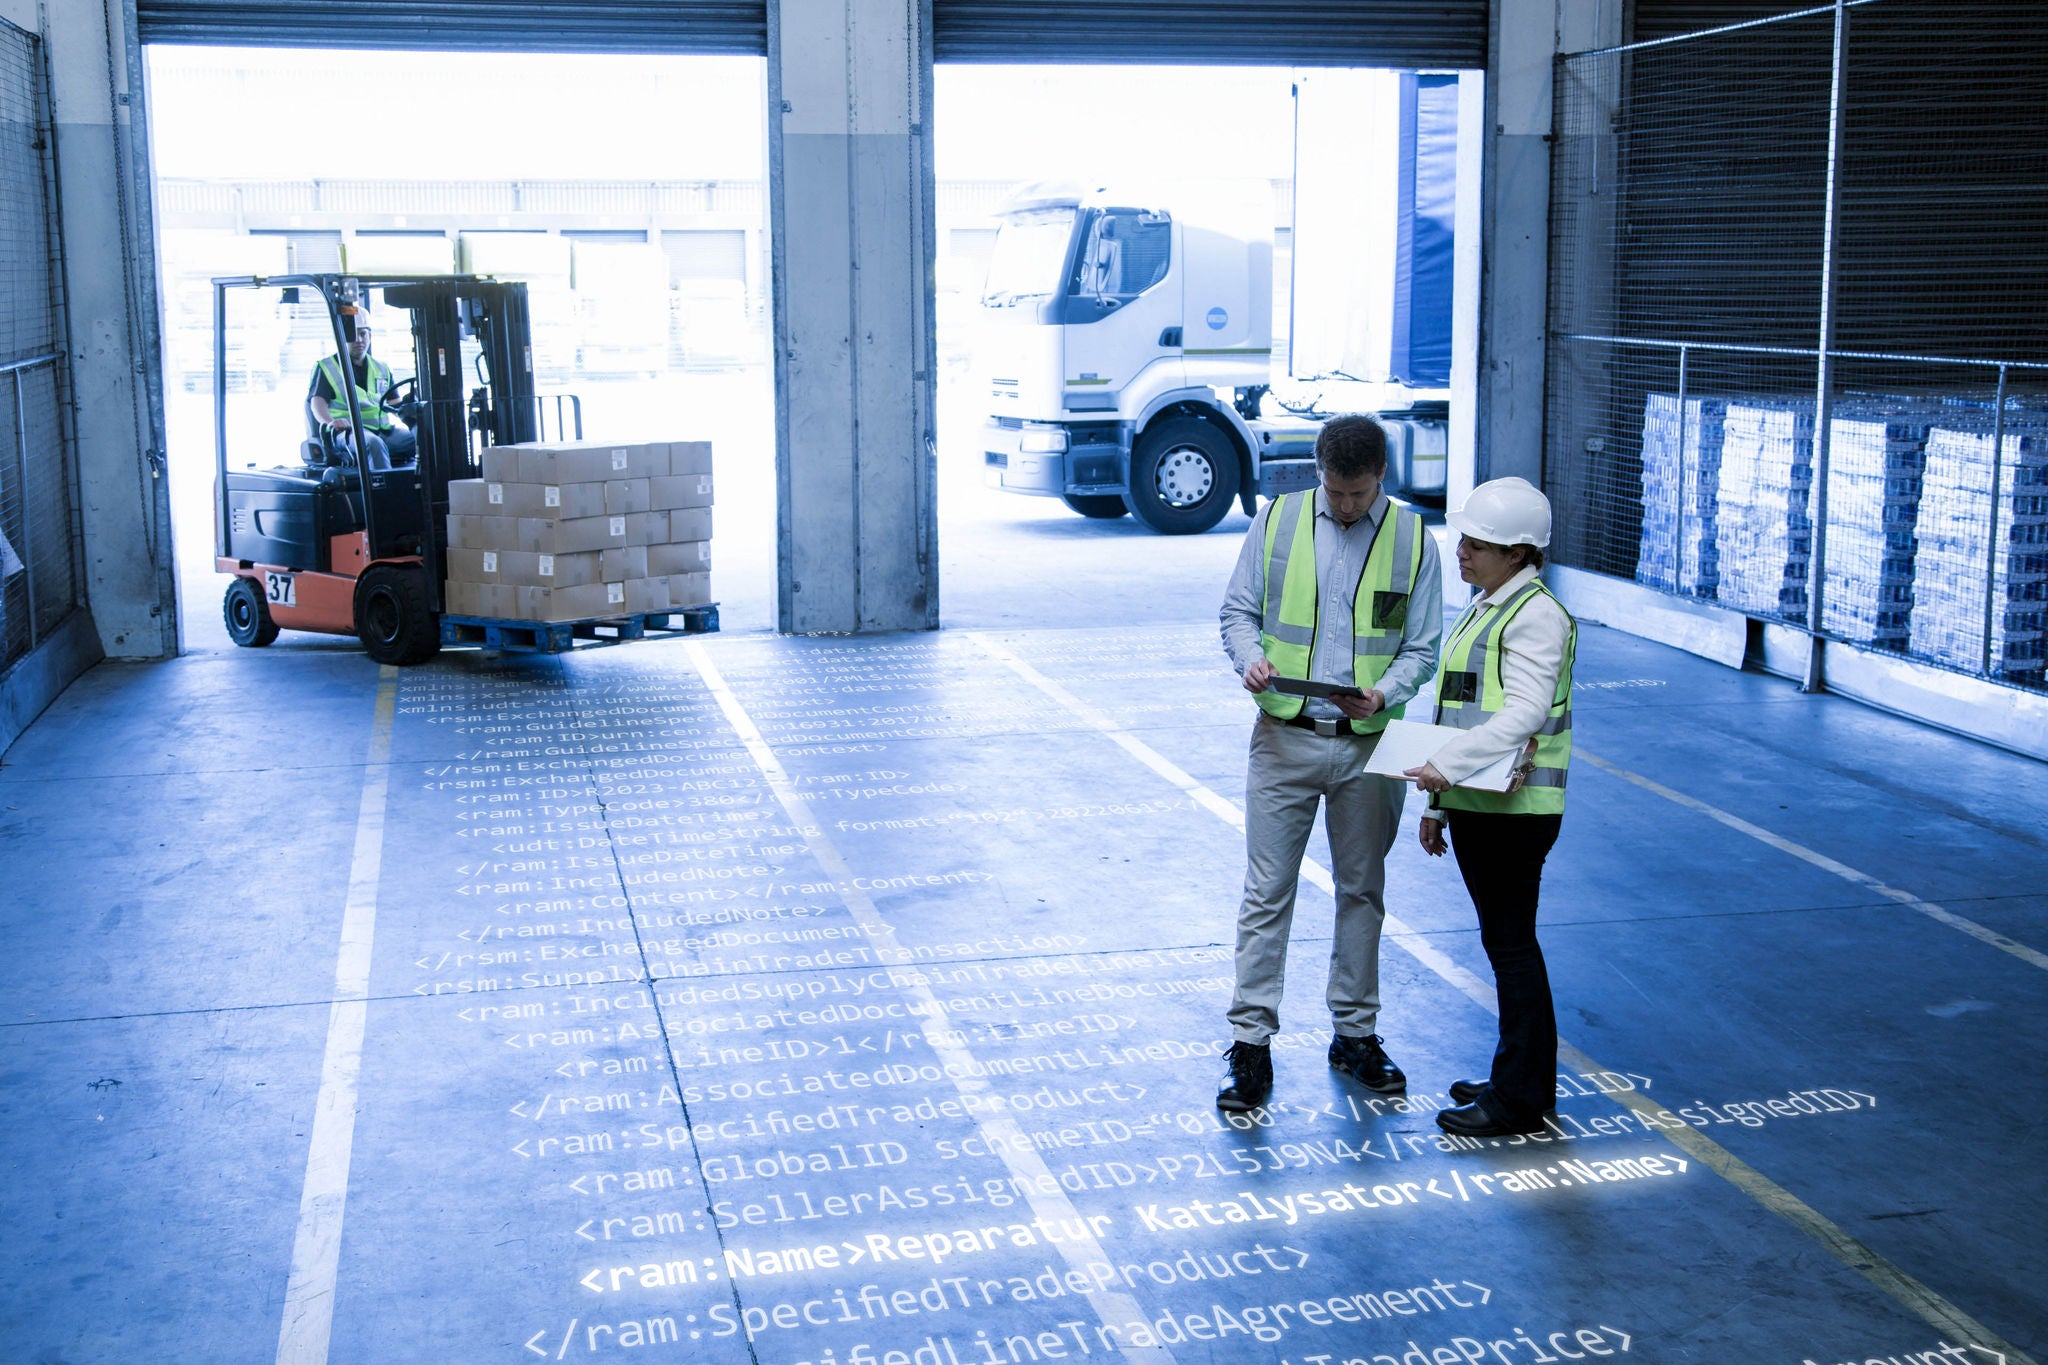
<point>1184,476</point>
<point>392,619</point>
<point>247,615</point>
<point>1106,506</point>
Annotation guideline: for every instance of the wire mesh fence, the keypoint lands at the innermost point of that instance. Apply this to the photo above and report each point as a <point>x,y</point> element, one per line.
<point>38,555</point>
<point>1799,324</point>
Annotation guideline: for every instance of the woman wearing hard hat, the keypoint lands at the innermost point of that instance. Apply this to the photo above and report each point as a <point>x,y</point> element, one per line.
<point>1506,683</point>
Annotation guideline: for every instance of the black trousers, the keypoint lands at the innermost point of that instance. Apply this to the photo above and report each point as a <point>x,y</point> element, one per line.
<point>1501,858</point>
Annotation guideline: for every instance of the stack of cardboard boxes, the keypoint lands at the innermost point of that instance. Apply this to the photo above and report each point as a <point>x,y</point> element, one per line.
<point>583,529</point>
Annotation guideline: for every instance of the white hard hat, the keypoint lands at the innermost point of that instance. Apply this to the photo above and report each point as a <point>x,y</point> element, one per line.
<point>1505,512</point>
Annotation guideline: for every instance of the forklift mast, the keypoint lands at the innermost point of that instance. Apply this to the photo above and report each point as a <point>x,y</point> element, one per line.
<point>492,315</point>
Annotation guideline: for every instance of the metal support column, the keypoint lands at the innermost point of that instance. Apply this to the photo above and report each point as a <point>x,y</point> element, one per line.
<point>1824,383</point>
<point>1684,479</point>
<point>26,549</point>
<point>1991,541</point>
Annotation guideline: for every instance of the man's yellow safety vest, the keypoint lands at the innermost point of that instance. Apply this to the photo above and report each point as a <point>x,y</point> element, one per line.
<point>1469,692</point>
<point>1379,613</point>
<point>377,377</point>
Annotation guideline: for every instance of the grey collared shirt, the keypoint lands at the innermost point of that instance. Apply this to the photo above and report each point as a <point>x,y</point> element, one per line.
<point>1340,562</point>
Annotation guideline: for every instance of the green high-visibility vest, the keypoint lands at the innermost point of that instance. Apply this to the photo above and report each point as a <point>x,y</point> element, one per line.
<point>1469,692</point>
<point>377,377</point>
<point>1379,612</point>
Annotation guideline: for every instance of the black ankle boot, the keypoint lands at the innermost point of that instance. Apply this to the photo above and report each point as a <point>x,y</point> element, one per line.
<point>1247,1077</point>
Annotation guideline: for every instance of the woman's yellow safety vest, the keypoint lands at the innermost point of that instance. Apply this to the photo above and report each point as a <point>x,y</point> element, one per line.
<point>1469,692</point>
<point>376,374</point>
<point>1379,613</point>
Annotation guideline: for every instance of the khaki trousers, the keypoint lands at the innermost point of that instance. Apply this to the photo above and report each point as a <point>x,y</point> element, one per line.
<point>1292,771</point>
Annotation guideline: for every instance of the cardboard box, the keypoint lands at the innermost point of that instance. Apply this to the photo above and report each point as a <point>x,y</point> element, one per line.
<point>501,463</point>
<point>689,523</point>
<point>682,490</point>
<point>500,601</point>
<point>496,601</point>
<point>526,568</point>
<point>683,557</point>
<point>545,535</point>
<point>689,589</point>
<point>582,602</point>
<point>547,499</point>
<point>472,566</point>
<point>467,498</point>
<point>627,495</point>
<point>587,601</point>
<point>627,562</point>
<point>689,457</point>
<point>482,533</point>
<point>590,462</point>
<point>646,594</point>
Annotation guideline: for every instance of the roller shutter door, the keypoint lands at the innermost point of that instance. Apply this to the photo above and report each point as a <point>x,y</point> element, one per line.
<point>1668,18</point>
<point>1388,33</point>
<point>705,255</point>
<point>1397,33</point>
<point>696,26</point>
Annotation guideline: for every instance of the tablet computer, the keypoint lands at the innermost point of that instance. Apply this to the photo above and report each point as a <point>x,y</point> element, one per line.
<point>1302,687</point>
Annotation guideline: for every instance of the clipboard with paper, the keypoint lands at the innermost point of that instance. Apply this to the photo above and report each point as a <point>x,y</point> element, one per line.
<point>1406,744</point>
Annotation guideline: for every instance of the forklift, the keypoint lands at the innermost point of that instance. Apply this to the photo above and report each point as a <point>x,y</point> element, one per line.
<point>329,544</point>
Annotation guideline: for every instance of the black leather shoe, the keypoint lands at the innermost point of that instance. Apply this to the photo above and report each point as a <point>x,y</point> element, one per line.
<point>1247,1077</point>
<point>1464,1092</point>
<point>1473,1120</point>
<point>1365,1061</point>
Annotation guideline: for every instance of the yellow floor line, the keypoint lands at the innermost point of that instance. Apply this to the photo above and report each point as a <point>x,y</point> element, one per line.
<point>1908,1292</point>
<point>1939,913</point>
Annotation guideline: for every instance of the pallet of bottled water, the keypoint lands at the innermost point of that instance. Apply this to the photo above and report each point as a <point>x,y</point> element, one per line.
<point>1763,536</point>
<point>1681,476</point>
<point>1963,577</point>
<point>1875,462</point>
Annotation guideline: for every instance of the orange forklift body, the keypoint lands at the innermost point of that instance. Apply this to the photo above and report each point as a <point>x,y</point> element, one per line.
<point>301,599</point>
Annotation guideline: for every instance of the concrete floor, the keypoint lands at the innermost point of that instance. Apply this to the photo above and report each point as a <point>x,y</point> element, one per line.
<point>639,1073</point>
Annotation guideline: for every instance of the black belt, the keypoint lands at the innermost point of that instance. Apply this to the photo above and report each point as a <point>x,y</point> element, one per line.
<point>1332,727</point>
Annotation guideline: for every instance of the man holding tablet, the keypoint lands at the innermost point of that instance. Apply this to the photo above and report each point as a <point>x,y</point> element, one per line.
<point>1336,594</point>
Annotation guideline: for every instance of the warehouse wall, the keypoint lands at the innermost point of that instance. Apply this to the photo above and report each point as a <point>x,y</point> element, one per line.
<point>1526,37</point>
<point>111,312</point>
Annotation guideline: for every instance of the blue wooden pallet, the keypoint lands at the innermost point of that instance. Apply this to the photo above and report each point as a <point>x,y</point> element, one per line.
<point>555,637</point>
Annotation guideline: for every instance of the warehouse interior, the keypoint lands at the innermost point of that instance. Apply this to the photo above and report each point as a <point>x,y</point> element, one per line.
<point>846,984</point>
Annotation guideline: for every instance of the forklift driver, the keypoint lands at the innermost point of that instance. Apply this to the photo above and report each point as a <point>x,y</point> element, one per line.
<point>387,439</point>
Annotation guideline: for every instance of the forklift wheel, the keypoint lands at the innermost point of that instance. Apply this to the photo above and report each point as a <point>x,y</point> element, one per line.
<point>247,614</point>
<point>392,618</point>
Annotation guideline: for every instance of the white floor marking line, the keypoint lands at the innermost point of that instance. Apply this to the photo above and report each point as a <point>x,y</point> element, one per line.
<point>1935,912</point>
<point>1311,870</point>
<point>316,1251</point>
<point>1908,1292</point>
<point>1048,1201</point>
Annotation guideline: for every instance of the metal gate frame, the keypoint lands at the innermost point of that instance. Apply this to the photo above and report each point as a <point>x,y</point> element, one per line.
<point>1828,359</point>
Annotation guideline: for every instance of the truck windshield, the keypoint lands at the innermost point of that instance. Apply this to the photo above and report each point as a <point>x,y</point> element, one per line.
<point>1030,254</point>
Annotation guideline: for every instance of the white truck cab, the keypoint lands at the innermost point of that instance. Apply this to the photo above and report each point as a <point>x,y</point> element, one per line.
<point>1126,337</point>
